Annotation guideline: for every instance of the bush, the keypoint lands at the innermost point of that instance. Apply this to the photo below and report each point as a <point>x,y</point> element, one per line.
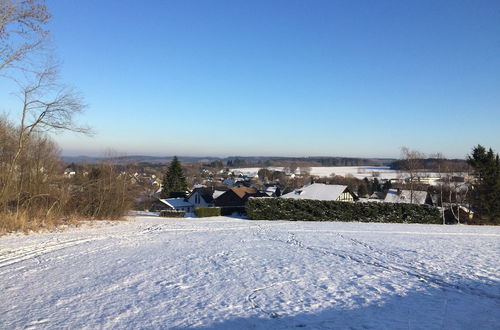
<point>203,212</point>
<point>314,210</point>
<point>172,213</point>
<point>230,210</point>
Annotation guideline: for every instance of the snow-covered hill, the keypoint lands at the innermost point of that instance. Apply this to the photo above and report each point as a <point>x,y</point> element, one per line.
<point>228,273</point>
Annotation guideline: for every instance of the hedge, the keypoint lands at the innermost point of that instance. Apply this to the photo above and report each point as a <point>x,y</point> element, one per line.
<point>172,213</point>
<point>231,210</point>
<point>314,210</point>
<point>203,212</point>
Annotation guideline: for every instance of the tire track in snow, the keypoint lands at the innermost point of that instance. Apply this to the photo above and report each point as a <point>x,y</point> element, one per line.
<point>418,268</point>
<point>362,258</point>
<point>11,257</point>
<point>251,298</point>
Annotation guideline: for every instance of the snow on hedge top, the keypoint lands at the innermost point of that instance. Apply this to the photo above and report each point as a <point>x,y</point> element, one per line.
<point>318,191</point>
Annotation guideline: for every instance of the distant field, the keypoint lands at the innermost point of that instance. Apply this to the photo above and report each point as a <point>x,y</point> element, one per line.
<point>359,172</point>
<point>226,273</point>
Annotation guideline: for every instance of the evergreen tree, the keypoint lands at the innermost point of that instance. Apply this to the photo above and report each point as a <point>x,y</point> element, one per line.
<point>486,188</point>
<point>387,185</point>
<point>174,181</point>
<point>368,186</point>
<point>362,189</point>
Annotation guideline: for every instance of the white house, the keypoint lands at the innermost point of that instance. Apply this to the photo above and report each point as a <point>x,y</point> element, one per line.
<point>322,192</point>
<point>201,197</point>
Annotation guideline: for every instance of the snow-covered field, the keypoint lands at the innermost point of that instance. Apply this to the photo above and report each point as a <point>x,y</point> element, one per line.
<point>227,273</point>
<point>360,172</point>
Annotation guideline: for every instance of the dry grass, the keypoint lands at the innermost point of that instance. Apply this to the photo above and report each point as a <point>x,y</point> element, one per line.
<point>26,222</point>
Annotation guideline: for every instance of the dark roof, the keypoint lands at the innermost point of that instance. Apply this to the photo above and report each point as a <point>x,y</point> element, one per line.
<point>205,193</point>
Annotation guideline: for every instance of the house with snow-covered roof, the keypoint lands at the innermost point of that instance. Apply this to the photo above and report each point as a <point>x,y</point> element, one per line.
<point>408,197</point>
<point>323,192</point>
<point>178,204</point>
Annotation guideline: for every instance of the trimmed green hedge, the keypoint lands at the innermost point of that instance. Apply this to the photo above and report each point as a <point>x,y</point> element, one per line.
<point>314,210</point>
<point>172,213</point>
<point>203,212</point>
<point>230,210</point>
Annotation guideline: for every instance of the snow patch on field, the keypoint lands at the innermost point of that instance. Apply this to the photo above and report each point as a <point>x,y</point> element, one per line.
<point>227,273</point>
<point>360,172</point>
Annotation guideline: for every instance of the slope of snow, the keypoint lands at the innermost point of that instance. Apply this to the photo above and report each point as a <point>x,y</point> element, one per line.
<point>225,273</point>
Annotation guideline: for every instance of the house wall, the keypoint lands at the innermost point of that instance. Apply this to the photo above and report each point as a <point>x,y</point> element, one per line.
<point>345,197</point>
<point>197,200</point>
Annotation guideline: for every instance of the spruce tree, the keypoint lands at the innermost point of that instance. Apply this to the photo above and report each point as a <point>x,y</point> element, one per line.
<point>174,181</point>
<point>486,188</point>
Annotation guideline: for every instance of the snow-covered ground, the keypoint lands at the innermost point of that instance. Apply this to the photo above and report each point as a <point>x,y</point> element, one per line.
<point>360,172</point>
<point>227,273</point>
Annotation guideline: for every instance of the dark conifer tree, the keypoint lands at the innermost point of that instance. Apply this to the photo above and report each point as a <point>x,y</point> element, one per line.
<point>486,188</point>
<point>174,181</point>
<point>368,186</point>
<point>362,189</point>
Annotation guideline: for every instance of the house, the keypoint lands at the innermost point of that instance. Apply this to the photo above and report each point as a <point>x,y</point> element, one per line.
<point>237,196</point>
<point>377,195</point>
<point>69,172</point>
<point>323,192</point>
<point>228,182</point>
<point>218,192</point>
<point>178,204</point>
<point>273,191</point>
<point>406,196</point>
<point>201,197</point>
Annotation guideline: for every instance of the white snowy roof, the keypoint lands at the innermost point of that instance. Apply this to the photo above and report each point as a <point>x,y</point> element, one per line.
<point>318,191</point>
<point>176,202</point>
<point>271,189</point>
<point>404,196</point>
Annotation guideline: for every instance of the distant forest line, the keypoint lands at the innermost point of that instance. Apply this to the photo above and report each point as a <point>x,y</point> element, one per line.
<point>239,161</point>
<point>262,161</point>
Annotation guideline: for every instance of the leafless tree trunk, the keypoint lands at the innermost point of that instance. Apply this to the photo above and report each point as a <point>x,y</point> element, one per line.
<point>440,158</point>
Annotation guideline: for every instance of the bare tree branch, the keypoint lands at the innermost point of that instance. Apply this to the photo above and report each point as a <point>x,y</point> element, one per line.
<point>22,32</point>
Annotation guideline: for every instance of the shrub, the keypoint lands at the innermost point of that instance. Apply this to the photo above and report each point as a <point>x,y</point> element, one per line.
<point>314,210</point>
<point>172,213</point>
<point>230,210</point>
<point>203,212</point>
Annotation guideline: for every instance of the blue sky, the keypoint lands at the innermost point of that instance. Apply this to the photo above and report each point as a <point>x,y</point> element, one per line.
<point>285,78</point>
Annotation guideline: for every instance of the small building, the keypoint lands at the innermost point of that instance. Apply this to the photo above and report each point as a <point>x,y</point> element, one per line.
<point>273,191</point>
<point>237,196</point>
<point>178,204</point>
<point>407,196</point>
<point>201,197</point>
<point>323,192</point>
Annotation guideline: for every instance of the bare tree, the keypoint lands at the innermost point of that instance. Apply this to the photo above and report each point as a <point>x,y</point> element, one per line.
<point>412,164</point>
<point>440,159</point>
<point>46,106</point>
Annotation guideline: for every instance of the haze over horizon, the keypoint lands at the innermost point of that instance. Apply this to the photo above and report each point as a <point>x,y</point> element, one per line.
<point>279,78</point>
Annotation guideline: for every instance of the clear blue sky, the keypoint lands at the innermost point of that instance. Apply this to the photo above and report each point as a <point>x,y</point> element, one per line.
<point>297,78</point>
